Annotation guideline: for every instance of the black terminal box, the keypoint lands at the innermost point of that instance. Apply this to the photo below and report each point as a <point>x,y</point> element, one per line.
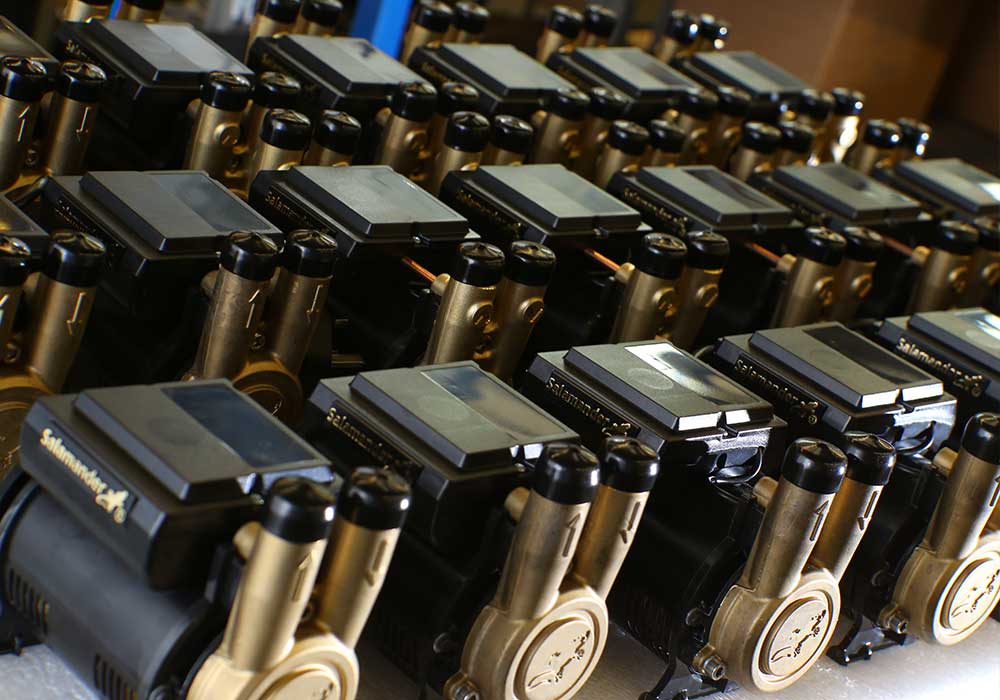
<point>143,468</point>
<point>651,86</point>
<point>154,71</point>
<point>951,188</point>
<point>14,42</point>
<point>772,89</point>
<point>825,380</point>
<point>508,80</point>
<point>961,348</point>
<point>13,222</point>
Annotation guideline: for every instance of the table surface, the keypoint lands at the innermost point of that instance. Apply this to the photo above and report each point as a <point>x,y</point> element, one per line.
<point>969,671</point>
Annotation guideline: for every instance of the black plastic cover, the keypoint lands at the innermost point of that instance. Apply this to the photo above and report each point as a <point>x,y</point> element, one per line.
<point>956,183</point>
<point>766,82</point>
<point>633,72</point>
<point>974,333</point>
<point>13,222</point>
<point>848,193</point>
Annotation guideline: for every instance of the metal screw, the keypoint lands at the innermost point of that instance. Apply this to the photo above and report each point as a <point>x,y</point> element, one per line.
<point>713,667</point>
<point>258,341</point>
<point>895,622</point>
<point>465,691</point>
<point>11,353</point>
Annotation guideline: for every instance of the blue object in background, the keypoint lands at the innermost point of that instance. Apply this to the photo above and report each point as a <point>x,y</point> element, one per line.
<point>382,22</point>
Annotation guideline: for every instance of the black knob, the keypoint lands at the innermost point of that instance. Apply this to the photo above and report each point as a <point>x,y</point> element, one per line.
<point>276,91</point>
<point>567,474</point>
<point>607,103</point>
<point>628,137</point>
<point>706,250</point>
<point>74,258</point>
<point>479,264</point>
<point>415,101</point>
<point>815,104</point>
<point>698,103</point>
<point>599,20</point>
<point>467,131</point>
<point>863,244</point>
<point>981,438</point>
<point>814,465</point>
<point>870,459</point>
<point>299,510</point>
<point>712,28</point>
<point>471,17</point>
<point>325,13</point>
<point>796,137</point>
<point>455,97</point>
<point>81,82</point>
<point>661,255</point>
<point>733,102</point>
<point>915,134</point>
<point>376,499</point>
<point>822,245</point>
<point>847,102</point>
<point>882,133</point>
<point>666,136</point>
<point>682,27</point>
<point>569,103</point>
<point>338,132</point>
<point>226,91</point>
<point>989,232</point>
<point>433,16</point>
<point>956,237</point>
<point>512,134</point>
<point>530,263</point>
<point>760,137</point>
<point>154,5</point>
<point>565,21</point>
<point>14,256</point>
<point>283,11</point>
<point>309,253</point>
<point>286,129</point>
<point>628,465</point>
<point>22,79</point>
<point>250,255</point>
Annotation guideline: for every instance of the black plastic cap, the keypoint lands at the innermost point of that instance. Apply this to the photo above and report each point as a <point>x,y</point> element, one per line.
<point>454,97</point>
<point>661,255</point>
<point>286,129</point>
<point>309,253</point>
<point>529,263</point>
<point>284,11</point>
<point>512,134</point>
<point>814,465</point>
<point>471,17</point>
<point>479,264</point>
<point>14,256</point>
<point>81,82</point>
<point>599,20</point>
<point>847,102</point>
<point>276,91</point>
<point>565,21</point>
<point>250,255</point>
<point>707,250</point>
<point>569,103</point>
<point>989,232</point>
<point>666,136</point>
<point>733,101</point>
<point>882,133</point>
<point>915,134</point>
<point>147,4</point>
<point>863,244</point>
<point>433,16</point>
<point>796,137</point>
<point>815,104</point>
<point>956,237</point>
<point>628,465</point>
<point>74,258</point>
<point>628,137</point>
<point>870,459</point>
<point>415,101</point>
<point>226,91</point>
<point>567,474</point>
<point>338,132</point>
<point>760,137</point>
<point>375,499</point>
<point>467,131</point>
<point>22,79</point>
<point>325,13</point>
<point>981,437</point>
<point>712,28</point>
<point>607,103</point>
<point>822,245</point>
<point>698,103</point>
<point>682,27</point>
<point>299,510</point>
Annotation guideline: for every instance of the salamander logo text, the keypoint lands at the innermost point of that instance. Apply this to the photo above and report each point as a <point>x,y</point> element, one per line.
<point>112,501</point>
